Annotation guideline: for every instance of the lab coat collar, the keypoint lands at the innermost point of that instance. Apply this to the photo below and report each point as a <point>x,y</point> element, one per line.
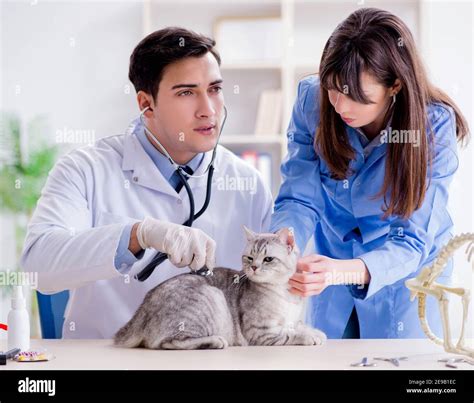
<point>160,160</point>
<point>146,173</point>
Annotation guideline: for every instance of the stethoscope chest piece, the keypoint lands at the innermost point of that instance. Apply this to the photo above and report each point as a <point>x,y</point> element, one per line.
<point>203,272</point>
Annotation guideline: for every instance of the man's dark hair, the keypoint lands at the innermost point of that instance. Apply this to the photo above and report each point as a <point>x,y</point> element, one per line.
<point>161,48</point>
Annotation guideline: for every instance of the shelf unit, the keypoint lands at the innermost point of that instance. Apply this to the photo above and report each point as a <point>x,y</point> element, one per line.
<point>306,26</point>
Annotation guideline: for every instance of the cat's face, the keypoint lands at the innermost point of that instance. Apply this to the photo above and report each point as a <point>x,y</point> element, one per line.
<point>269,258</point>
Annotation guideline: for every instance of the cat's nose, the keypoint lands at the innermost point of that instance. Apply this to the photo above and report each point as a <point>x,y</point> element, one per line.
<point>254,268</point>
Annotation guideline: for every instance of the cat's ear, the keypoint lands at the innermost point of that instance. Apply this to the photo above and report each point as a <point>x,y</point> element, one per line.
<point>287,236</point>
<point>249,234</point>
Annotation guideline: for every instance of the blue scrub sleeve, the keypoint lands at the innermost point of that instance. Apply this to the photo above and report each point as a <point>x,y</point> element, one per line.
<point>300,202</point>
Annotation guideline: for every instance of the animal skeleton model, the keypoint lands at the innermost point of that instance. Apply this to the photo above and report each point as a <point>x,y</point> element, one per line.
<point>425,284</point>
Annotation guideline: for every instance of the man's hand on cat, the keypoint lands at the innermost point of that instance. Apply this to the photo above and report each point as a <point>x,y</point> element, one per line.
<point>185,246</point>
<point>316,272</point>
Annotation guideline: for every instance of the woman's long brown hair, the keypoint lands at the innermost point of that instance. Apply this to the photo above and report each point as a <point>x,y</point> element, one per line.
<point>379,43</point>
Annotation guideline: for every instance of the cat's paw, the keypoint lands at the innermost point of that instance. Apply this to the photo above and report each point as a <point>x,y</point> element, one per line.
<point>312,337</point>
<point>318,337</point>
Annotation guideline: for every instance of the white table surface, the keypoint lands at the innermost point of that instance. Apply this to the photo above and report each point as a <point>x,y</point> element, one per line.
<point>334,355</point>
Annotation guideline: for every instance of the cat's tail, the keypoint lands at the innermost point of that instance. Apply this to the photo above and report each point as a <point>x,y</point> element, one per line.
<point>127,336</point>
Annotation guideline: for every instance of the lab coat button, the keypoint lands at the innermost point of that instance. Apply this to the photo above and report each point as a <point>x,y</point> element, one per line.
<point>179,201</point>
<point>135,178</point>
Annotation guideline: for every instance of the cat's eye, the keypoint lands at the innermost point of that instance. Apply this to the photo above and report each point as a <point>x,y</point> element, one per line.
<point>249,258</point>
<point>268,259</point>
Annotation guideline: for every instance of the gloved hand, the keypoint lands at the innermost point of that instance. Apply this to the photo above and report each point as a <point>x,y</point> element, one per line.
<point>184,246</point>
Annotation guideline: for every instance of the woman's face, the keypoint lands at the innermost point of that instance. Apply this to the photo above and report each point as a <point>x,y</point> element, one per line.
<point>356,114</point>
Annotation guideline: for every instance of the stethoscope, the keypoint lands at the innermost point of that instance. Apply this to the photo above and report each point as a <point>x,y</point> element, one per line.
<point>160,257</point>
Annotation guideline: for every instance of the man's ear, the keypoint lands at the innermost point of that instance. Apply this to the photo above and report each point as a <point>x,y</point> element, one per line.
<point>145,101</point>
<point>249,234</point>
<point>287,236</point>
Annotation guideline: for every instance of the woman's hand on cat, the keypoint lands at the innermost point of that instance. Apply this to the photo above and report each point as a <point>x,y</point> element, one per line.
<point>316,272</point>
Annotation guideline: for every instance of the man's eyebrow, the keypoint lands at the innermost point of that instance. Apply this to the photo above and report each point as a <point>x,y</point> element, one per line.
<point>220,81</point>
<point>184,86</point>
<point>174,87</point>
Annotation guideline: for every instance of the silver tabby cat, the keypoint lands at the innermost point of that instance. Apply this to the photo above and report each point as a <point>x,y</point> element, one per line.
<point>228,308</point>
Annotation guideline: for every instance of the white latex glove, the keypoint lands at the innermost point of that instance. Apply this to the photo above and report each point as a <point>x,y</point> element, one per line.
<point>184,246</point>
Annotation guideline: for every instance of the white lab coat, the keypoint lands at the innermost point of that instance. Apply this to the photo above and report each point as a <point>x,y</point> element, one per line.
<point>94,191</point>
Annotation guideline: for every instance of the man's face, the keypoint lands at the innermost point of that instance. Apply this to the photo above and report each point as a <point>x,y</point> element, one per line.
<point>189,107</point>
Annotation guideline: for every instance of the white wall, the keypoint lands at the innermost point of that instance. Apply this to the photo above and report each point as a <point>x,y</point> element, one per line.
<point>70,61</point>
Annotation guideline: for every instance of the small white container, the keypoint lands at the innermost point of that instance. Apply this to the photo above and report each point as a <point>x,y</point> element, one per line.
<point>18,322</point>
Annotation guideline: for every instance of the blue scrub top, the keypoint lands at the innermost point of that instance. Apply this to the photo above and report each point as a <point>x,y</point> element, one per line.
<point>347,223</point>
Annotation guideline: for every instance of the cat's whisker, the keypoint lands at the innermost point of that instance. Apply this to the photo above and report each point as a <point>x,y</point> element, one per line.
<point>243,277</point>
